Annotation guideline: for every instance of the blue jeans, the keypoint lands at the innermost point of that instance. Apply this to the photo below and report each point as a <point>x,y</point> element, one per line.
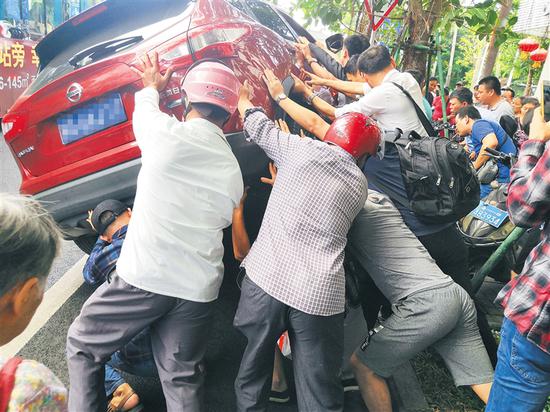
<point>522,377</point>
<point>136,358</point>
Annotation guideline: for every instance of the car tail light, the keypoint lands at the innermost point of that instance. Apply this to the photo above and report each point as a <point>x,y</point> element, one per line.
<point>12,125</point>
<point>208,43</point>
<point>216,51</point>
<point>218,36</point>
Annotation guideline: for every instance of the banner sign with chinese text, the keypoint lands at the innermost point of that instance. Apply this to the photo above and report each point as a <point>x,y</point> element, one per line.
<point>18,68</point>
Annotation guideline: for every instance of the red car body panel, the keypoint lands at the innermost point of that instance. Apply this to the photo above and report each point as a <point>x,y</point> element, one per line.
<point>45,162</point>
<point>72,178</point>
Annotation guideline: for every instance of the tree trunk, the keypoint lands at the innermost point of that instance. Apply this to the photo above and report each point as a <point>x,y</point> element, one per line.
<point>452,57</point>
<point>364,25</point>
<point>527,91</point>
<point>492,52</point>
<point>420,23</point>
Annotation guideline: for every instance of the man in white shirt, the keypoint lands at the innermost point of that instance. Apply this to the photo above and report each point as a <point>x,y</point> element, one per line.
<point>381,99</point>
<point>489,95</point>
<point>170,268</point>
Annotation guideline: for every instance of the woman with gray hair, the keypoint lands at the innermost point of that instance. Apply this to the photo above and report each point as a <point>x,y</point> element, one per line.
<point>29,241</point>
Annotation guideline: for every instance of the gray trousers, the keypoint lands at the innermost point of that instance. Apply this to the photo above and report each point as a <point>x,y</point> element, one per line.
<point>111,317</point>
<point>355,330</point>
<point>317,349</point>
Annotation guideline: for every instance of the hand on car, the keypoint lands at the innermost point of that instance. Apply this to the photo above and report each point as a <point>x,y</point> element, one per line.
<point>315,80</point>
<point>300,58</point>
<point>304,49</point>
<point>273,84</point>
<point>245,94</point>
<point>89,219</point>
<point>299,85</point>
<point>150,73</point>
<point>273,173</point>
<point>539,130</point>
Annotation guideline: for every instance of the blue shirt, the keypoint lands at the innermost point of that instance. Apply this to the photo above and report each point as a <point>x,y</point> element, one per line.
<point>384,176</point>
<point>480,130</point>
<point>427,108</point>
<point>103,258</point>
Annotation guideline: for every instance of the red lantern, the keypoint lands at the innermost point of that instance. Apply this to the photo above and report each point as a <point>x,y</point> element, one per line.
<point>526,46</point>
<point>538,56</point>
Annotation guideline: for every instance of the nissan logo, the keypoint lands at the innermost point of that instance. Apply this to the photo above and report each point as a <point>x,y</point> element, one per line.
<point>74,92</point>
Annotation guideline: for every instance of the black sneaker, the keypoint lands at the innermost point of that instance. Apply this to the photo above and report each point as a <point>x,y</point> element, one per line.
<point>279,397</point>
<point>350,385</point>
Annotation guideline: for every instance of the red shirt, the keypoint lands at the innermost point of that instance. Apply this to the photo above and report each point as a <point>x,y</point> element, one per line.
<point>438,109</point>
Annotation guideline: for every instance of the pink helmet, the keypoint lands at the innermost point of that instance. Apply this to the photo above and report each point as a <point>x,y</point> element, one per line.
<point>213,83</point>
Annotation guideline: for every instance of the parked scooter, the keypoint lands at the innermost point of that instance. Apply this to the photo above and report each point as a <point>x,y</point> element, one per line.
<point>488,225</point>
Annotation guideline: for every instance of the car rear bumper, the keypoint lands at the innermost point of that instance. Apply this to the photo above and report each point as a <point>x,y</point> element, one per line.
<point>69,202</point>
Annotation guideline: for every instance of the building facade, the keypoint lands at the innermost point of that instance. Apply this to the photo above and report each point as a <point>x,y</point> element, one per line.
<point>40,17</point>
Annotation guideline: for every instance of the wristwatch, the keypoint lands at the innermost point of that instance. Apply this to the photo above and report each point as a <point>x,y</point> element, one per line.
<point>280,97</point>
<point>311,97</point>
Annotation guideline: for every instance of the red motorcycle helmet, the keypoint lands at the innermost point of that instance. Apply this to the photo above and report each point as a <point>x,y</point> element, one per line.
<point>211,82</point>
<point>356,133</point>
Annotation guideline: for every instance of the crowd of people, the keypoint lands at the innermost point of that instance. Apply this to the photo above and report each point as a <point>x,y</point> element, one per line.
<point>336,193</point>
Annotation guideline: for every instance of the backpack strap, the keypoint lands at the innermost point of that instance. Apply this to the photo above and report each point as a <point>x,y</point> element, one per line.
<point>7,381</point>
<point>419,112</point>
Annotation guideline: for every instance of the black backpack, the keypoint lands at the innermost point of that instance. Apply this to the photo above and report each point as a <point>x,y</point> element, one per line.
<point>440,180</point>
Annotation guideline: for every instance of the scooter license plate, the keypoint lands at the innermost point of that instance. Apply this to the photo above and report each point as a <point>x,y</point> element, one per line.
<point>490,214</point>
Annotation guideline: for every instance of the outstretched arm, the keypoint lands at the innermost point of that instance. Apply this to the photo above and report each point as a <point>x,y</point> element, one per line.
<point>147,115</point>
<point>327,61</point>
<point>352,88</point>
<point>262,130</point>
<point>306,118</point>
<point>314,63</point>
<point>488,141</point>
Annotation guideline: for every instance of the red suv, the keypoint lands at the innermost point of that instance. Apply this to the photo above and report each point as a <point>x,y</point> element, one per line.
<point>71,131</point>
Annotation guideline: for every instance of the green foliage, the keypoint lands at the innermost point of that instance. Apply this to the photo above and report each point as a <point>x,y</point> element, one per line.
<point>475,24</point>
<point>332,13</point>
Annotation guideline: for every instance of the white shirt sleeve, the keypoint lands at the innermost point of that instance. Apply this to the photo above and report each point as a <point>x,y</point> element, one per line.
<point>149,122</point>
<point>366,88</point>
<point>370,104</point>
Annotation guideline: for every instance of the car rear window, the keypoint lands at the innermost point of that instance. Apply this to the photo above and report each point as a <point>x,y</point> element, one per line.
<point>116,19</point>
<point>269,18</point>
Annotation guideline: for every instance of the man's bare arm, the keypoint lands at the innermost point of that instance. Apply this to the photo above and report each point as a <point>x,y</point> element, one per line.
<point>488,141</point>
<point>306,118</point>
<point>351,88</point>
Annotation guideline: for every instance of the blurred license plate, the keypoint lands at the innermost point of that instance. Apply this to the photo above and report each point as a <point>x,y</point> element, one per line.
<point>490,214</point>
<point>91,118</point>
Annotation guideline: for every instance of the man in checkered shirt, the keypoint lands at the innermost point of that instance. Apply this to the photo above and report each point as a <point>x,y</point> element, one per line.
<point>294,271</point>
<point>522,376</point>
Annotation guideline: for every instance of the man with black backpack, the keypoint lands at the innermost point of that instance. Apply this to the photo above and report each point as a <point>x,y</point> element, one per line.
<point>429,309</point>
<point>394,100</point>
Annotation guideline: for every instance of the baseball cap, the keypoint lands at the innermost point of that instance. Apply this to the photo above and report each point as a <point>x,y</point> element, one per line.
<point>110,205</point>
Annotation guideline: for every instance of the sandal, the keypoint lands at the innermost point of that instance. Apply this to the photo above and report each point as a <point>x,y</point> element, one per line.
<point>119,406</point>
